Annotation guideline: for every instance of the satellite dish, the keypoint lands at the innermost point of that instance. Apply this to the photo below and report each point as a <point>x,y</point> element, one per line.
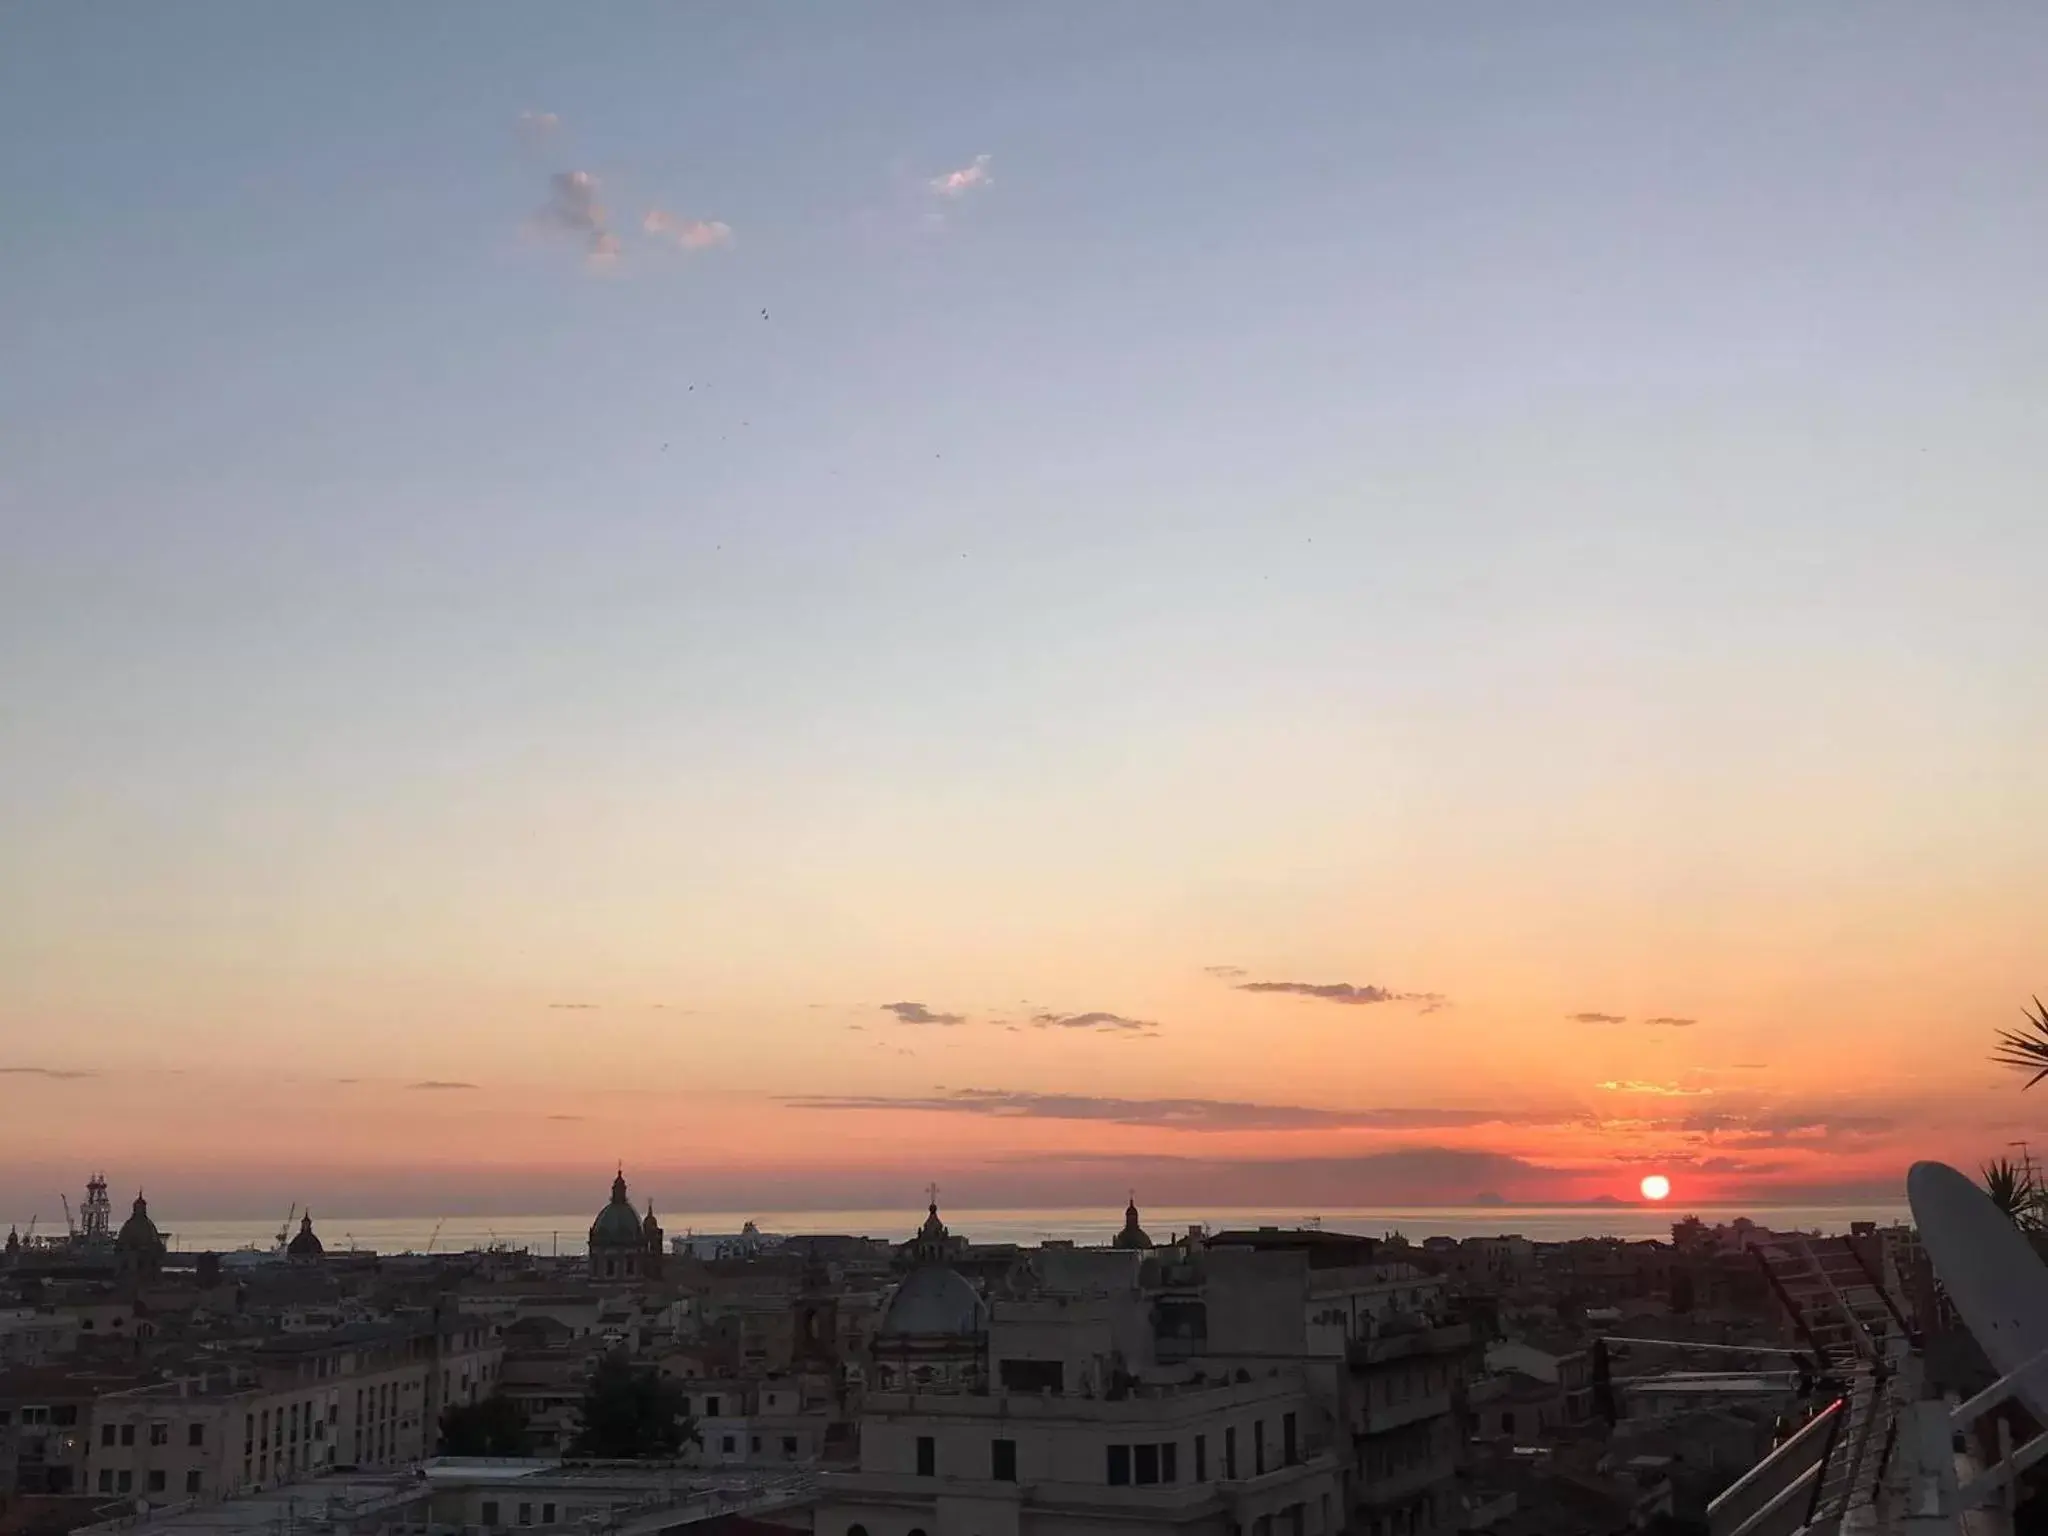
<point>1993,1277</point>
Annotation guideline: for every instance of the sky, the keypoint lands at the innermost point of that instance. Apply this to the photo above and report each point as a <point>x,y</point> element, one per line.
<point>1329,604</point>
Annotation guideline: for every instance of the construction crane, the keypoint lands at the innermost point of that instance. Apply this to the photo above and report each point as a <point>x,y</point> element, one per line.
<point>69,1225</point>
<point>284,1233</point>
<point>435,1234</point>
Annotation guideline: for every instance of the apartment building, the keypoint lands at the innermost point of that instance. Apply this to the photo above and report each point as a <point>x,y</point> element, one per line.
<point>367,1395</point>
<point>1200,1458</point>
<point>1373,1339</point>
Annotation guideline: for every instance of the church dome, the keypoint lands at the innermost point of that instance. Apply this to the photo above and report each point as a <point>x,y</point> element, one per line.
<point>138,1233</point>
<point>1133,1235</point>
<point>617,1226</point>
<point>307,1244</point>
<point>934,1303</point>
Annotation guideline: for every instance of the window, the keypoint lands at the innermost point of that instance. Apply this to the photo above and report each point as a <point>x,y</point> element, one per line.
<point>1230,1454</point>
<point>1258,1447</point>
<point>126,1481</point>
<point>106,1434</point>
<point>64,1413</point>
<point>711,1406</point>
<point>159,1434</point>
<point>1169,1462</point>
<point>1148,1464</point>
<point>195,1433</point>
<point>1002,1461</point>
<point>1201,1458</point>
<point>192,1479</point>
<point>1119,1465</point>
<point>490,1512</point>
<point>1507,1421</point>
<point>106,1479</point>
<point>754,1445</point>
<point>547,1514</point>
<point>727,1445</point>
<point>526,1514</point>
<point>927,1456</point>
<point>127,1434</point>
<point>789,1445</point>
<point>1289,1447</point>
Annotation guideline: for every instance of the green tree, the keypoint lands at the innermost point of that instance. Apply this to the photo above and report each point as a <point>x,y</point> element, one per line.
<point>2026,1050</point>
<point>2011,1188</point>
<point>1691,1235</point>
<point>632,1413</point>
<point>496,1426</point>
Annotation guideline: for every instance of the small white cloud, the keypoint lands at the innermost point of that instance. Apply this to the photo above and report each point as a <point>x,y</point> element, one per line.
<point>967,179</point>
<point>538,124</point>
<point>1653,1090</point>
<point>690,234</point>
<point>573,206</point>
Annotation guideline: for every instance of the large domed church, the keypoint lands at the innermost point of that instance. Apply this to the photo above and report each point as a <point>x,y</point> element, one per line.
<point>934,1329</point>
<point>622,1245</point>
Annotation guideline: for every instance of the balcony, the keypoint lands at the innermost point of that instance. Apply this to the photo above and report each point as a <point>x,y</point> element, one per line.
<point>1380,1418</point>
<point>1402,1341</point>
<point>1370,1492</point>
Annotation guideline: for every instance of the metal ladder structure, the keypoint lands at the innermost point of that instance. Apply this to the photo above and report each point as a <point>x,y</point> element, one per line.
<point>1835,1299</point>
<point>1858,1339</point>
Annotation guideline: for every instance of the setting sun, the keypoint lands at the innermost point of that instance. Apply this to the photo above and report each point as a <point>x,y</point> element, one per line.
<point>1656,1186</point>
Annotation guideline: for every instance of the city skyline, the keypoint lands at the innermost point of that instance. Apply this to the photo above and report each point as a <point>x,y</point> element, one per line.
<point>1339,608</point>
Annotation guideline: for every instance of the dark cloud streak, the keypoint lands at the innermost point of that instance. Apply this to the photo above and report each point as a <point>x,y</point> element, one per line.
<point>1343,992</point>
<point>1106,1023</point>
<point>1169,1114</point>
<point>917,1013</point>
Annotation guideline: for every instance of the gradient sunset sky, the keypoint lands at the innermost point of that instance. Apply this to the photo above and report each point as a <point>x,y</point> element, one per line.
<point>1310,605</point>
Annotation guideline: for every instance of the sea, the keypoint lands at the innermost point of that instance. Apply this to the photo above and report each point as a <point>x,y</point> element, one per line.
<point>564,1234</point>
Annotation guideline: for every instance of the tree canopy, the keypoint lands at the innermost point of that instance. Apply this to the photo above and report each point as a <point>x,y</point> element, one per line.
<point>632,1413</point>
<point>495,1426</point>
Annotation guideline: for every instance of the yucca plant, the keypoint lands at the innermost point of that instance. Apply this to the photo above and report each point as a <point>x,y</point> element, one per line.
<point>2011,1188</point>
<point>2026,1050</point>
